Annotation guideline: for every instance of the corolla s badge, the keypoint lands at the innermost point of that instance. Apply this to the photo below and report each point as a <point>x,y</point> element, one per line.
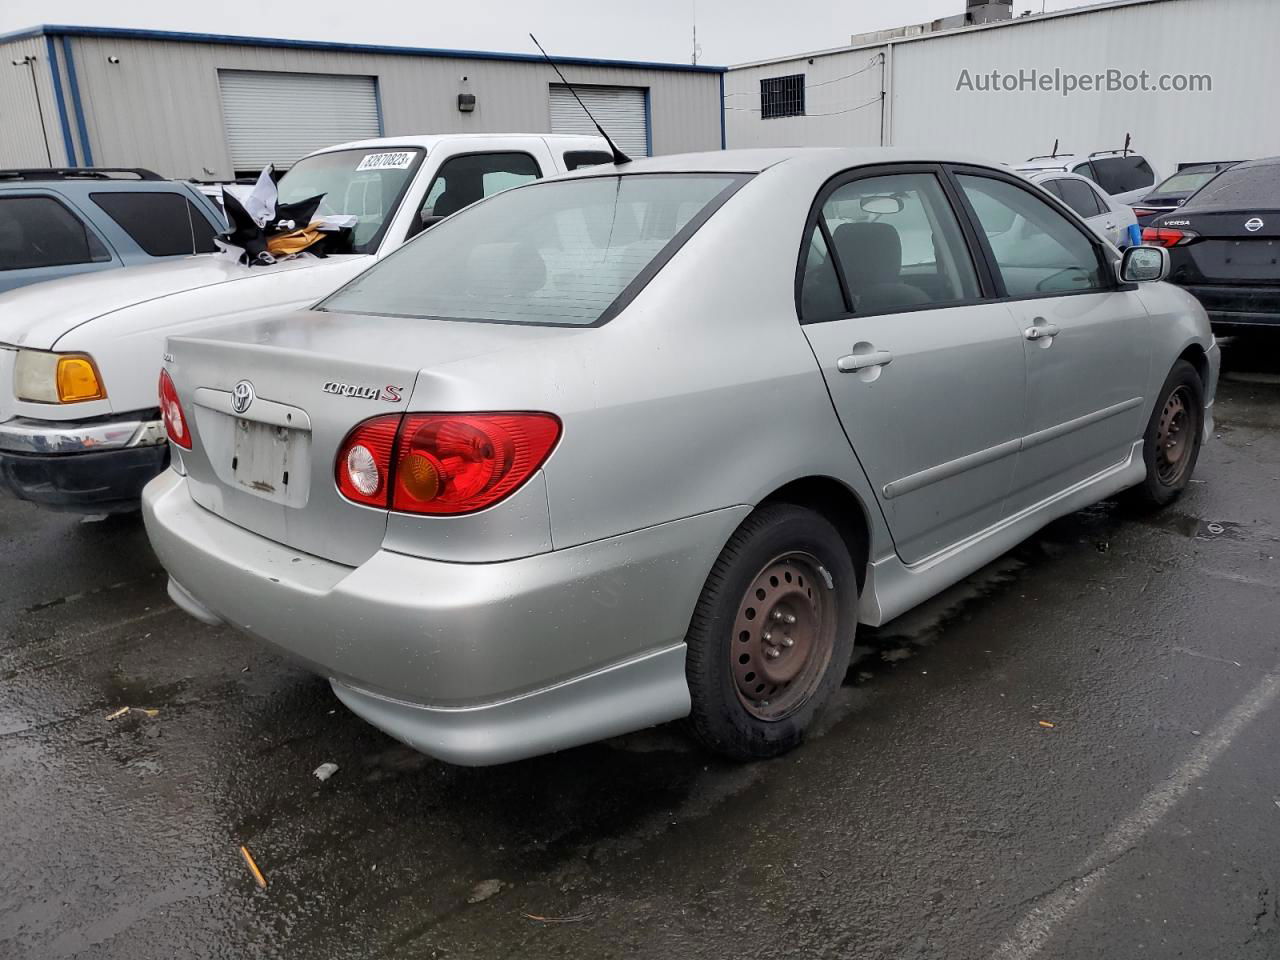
<point>388,394</point>
<point>242,396</point>
<point>1254,225</point>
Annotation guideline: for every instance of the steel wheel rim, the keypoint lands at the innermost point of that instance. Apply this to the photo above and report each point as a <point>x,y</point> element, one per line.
<point>783,636</point>
<point>1174,439</point>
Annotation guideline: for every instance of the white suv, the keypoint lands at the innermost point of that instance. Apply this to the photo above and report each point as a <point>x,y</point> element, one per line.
<point>1122,174</point>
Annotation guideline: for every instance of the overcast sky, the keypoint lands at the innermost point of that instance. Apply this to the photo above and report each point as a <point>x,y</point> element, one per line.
<point>729,31</point>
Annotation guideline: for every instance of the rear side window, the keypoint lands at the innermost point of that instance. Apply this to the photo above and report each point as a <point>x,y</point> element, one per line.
<point>573,159</point>
<point>41,232</point>
<point>1241,188</point>
<point>1038,251</point>
<point>561,252</point>
<point>1079,196</point>
<point>461,181</point>
<point>897,244</point>
<point>162,224</point>
<point>1122,174</point>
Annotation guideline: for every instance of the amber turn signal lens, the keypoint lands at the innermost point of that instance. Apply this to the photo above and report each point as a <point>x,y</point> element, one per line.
<point>419,477</point>
<point>78,380</point>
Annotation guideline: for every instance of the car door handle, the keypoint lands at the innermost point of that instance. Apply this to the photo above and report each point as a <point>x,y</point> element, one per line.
<point>1041,331</point>
<point>864,361</point>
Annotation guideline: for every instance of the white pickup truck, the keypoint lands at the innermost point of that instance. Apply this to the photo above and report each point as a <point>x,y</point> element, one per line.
<point>80,357</point>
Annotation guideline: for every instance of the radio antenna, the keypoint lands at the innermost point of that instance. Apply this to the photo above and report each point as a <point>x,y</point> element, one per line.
<point>618,156</point>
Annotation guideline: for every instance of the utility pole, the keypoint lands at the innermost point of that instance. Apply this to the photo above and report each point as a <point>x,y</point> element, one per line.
<point>697,50</point>
<point>30,63</point>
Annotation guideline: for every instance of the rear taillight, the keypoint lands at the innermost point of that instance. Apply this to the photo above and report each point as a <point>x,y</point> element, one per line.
<point>1146,212</point>
<point>175,422</point>
<point>1167,237</point>
<point>363,469</point>
<point>443,463</point>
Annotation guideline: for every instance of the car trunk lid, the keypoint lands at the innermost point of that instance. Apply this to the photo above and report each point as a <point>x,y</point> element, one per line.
<point>1233,247</point>
<point>271,403</point>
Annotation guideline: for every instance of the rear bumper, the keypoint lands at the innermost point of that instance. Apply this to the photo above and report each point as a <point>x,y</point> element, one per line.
<point>473,663</point>
<point>1229,306</point>
<point>89,467</point>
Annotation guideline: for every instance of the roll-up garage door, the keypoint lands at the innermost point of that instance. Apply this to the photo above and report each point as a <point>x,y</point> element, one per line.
<point>273,117</point>
<point>620,110</point>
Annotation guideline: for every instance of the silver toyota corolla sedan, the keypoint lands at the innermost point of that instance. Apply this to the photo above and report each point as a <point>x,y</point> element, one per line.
<point>648,442</point>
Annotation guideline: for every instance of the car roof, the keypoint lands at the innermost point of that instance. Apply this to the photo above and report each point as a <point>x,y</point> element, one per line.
<point>1261,162</point>
<point>79,187</point>
<point>1054,173</point>
<point>429,142</point>
<point>759,160</point>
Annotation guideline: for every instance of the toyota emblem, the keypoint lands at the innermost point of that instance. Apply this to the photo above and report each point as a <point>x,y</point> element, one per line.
<point>1254,225</point>
<point>242,396</point>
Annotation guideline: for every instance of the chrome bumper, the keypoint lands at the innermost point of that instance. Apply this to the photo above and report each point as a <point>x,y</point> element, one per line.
<point>54,437</point>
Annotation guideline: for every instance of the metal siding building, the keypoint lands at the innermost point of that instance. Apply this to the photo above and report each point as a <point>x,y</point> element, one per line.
<point>1229,40</point>
<point>155,99</point>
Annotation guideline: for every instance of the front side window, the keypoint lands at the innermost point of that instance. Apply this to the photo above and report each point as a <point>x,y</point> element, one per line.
<point>1079,196</point>
<point>897,244</point>
<point>367,184</point>
<point>1037,250</point>
<point>782,97</point>
<point>561,252</point>
<point>162,224</point>
<point>1122,174</point>
<point>461,181</point>
<point>41,232</point>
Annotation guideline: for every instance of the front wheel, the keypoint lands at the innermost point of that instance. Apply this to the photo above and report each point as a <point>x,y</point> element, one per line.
<point>1171,445</point>
<point>772,634</point>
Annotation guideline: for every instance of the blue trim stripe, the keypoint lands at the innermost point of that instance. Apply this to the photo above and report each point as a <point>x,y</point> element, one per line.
<point>377,104</point>
<point>175,36</point>
<point>86,151</point>
<point>56,75</point>
<point>648,122</point>
<point>724,141</point>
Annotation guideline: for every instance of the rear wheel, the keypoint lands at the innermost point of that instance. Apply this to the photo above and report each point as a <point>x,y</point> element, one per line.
<point>1172,442</point>
<point>772,633</point>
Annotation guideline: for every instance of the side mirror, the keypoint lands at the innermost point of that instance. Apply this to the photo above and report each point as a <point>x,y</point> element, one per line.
<point>1144,265</point>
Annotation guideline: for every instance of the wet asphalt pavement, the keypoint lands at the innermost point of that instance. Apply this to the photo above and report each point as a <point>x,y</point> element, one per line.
<point>936,813</point>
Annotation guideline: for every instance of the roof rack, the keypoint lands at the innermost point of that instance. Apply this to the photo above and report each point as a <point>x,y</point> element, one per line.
<point>1124,152</point>
<point>80,173</point>
<point>1052,156</point>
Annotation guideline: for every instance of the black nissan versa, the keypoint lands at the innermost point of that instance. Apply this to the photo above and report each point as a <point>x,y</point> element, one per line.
<point>1225,246</point>
<point>1172,193</point>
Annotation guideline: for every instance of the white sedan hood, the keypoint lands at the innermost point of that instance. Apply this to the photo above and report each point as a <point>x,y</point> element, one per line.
<point>40,314</point>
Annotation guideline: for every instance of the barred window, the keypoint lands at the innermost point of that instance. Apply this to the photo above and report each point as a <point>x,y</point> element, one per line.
<point>782,97</point>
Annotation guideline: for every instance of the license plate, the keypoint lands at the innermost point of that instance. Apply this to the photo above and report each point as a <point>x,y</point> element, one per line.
<point>1254,254</point>
<point>261,458</point>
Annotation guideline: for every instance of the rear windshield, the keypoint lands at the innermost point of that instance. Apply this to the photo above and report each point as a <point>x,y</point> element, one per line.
<point>1246,188</point>
<point>1184,184</point>
<point>558,252</point>
<point>1122,174</point>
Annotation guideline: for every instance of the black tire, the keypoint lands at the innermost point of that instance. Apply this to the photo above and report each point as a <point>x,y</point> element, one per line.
<point>1163,484</point>
<point>772,543</point>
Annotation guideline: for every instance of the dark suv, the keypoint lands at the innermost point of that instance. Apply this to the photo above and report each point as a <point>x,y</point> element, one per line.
<point>59,222</point>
